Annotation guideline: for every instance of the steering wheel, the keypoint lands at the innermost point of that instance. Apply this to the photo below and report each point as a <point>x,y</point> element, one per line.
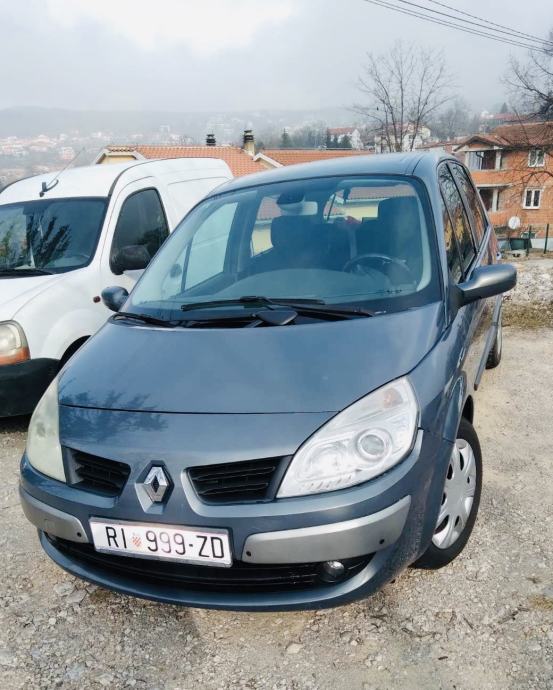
<point>363,261</point>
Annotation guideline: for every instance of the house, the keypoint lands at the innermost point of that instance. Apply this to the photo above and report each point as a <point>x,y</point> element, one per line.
<point>442,146</point>
<point>489,121</point>
<point>512,166</point>
<point>408,137</point>
<point>339,134</point>
<point>277,158</point>
<point>241,161</point>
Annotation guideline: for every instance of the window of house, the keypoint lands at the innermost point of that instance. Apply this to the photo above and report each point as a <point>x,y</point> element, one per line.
<point>481,160</point>
<point>141,222</point>
<point>459,220</point>
<point>532,198</point>
<point>471,196</point>
<point>536,158</point>
<point>486,194</point>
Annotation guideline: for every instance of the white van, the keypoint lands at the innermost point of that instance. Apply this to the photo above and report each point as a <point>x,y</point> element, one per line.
<point>63,239</point>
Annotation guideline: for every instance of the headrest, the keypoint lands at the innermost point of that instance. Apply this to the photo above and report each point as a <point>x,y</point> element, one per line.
<point>399,212</point>
<point>291,231</point>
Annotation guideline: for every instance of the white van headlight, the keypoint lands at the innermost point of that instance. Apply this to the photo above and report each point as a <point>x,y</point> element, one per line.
<point>43,441</point>
<point>362,442</point>
<point>13,344</point>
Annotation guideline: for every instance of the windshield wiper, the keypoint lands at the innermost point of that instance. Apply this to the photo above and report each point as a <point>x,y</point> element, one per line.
<point>144,318</point>
<point>301,305</point>
<point>252,300</point>
<point>26,270</point>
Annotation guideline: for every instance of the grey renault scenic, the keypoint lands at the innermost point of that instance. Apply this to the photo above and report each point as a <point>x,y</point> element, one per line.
<point>280,415</point>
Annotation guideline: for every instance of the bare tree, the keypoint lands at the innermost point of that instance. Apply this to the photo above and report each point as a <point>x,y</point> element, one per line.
<point>453,121</point>
<point>404,87</point>
<point>531,83</point>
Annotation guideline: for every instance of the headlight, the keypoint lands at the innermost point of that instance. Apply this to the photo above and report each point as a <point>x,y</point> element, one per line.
<point>43,442</point>
<point>13,344</point>
<point>363,441</point>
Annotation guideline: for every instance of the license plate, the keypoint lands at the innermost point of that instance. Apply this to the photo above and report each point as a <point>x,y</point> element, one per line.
<point>162,542</point>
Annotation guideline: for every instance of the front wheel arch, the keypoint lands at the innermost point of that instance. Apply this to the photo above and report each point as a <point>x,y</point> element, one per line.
<point>72,349</point>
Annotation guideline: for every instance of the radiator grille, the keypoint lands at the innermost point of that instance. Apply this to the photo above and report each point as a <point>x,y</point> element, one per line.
<point>92,473</point>
<point>236,482</point>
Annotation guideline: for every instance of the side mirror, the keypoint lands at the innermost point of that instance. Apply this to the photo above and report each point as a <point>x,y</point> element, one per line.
<point>133,257</point>
<point>114,297</point>
<point>487,281</point>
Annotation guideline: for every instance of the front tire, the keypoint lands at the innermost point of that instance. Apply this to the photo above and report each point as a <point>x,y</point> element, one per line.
<point>460,501</point>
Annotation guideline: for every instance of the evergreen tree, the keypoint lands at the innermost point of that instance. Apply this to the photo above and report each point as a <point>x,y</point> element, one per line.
<point>328,140</point>
<point>285,140</point>
<point>346,142</point>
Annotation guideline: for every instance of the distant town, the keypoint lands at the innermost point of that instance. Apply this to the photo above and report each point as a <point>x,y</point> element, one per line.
<point>509,158</point>
<point>38,152</point>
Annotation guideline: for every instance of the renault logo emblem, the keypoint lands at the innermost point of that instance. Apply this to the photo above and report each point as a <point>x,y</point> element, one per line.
<point>156,484</point>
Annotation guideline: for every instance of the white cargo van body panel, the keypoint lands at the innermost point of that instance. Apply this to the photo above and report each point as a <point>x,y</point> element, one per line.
<point>57,312</point>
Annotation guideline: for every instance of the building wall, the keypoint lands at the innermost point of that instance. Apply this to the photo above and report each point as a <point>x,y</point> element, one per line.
<point>116,158</point>
<point>515,176</point>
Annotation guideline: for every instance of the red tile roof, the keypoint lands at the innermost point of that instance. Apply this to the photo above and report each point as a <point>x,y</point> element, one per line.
<point>527,134</point>
<point>294,156</point>
<point>238,160</point>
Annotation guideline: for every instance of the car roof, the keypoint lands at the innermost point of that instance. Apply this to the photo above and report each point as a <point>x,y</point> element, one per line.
<point>423,164</point>
<point>99,180</point>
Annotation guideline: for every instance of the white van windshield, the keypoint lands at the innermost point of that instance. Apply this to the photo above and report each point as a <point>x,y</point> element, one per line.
<point>50,235</point>
<point>352,240</point>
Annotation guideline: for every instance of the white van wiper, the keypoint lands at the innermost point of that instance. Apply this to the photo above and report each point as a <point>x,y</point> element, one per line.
<point>25,271</point>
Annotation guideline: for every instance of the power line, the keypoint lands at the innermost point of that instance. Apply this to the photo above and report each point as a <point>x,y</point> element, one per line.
<point>464,29</point>
<point>509,31</point>
<point>487,21</point>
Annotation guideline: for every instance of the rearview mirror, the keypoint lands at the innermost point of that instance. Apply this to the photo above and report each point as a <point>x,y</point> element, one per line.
<point>114,297</point>
<point>487,281</point>
<point>132,257</point>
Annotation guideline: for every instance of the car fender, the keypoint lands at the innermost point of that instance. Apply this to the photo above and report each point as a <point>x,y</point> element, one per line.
<point>62,313</point>
<point>441,383</point>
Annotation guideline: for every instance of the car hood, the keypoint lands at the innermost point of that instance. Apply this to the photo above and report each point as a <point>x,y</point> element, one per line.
<point>16,292</point>
<point>305,368</point>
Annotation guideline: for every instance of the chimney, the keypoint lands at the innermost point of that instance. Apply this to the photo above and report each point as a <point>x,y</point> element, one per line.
<point>249,142</point>
<point>210,140</point>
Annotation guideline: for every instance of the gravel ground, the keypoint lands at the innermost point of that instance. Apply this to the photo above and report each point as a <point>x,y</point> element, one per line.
<point>483,622</point>
<point>534,280</point>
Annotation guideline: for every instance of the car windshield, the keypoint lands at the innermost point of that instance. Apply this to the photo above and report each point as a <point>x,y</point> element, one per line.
<point>50,236</point>
<point>361,241</point>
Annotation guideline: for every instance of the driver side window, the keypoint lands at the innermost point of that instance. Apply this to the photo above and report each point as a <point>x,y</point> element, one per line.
<point>141,223</point>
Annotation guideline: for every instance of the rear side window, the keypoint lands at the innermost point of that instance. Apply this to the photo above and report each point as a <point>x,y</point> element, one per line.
<point>451,248</point>
<point>459,220</point>
<point>141,222</point>
<point>471,196</point>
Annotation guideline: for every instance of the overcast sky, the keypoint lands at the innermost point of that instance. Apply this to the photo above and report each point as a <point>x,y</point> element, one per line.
<point>230,54</point>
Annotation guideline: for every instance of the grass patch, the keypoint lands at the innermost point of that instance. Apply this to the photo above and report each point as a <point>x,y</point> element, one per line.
<point>541,602</point>
<point>528,316</point>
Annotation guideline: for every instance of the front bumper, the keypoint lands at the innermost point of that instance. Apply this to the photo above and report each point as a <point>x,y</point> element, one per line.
<point>385,523</point>
<point>22,385</point>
